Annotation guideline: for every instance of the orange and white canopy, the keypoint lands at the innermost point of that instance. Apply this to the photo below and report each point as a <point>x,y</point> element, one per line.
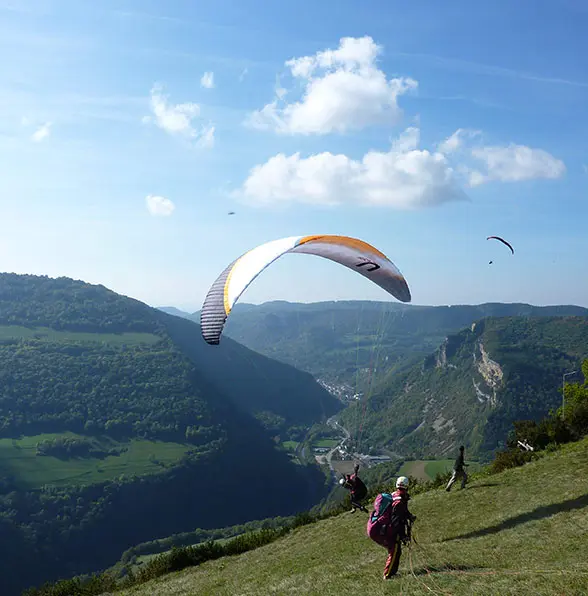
<point>350,252</point>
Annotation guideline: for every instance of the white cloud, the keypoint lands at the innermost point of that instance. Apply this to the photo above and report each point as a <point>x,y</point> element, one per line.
<point>457,140</point>
<point>511,163</point>
<point>25,121</point>
<point>207,80</point>
<point>407,140</point>
<point>207,137</point>
<point>42,132</point>
<point>515,163</point>
<point>403,178</point>
<point>475,177</point>
<point>178,119</point>
<point>157,205</point>
<point>280,91</point>
<point>343,90</point>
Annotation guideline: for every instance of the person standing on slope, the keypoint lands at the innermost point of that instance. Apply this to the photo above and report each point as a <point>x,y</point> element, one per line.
<point>389,524</point>
<point>358,490</point>
<point>458,470</point>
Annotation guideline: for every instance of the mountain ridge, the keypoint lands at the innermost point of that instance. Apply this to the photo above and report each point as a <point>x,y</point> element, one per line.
<point>335,341</point>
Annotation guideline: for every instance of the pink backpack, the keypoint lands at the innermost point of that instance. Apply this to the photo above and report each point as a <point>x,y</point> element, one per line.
<point>380,518</point>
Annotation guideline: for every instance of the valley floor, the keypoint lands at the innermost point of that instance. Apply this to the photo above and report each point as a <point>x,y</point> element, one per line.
<point>524,531</point>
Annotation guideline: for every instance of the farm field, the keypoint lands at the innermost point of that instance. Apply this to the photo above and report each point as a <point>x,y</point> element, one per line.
<point>328,443</point>
<point>8,332</point>
<point>18,460</point>
<point>343,467</point>
<point>290,445</point>
<point>428,469</point>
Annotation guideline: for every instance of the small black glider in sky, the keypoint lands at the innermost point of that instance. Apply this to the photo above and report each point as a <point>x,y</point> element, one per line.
<point>503,242</point>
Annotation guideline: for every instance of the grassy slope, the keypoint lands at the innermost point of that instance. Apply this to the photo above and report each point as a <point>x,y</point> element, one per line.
<point>524,531</point>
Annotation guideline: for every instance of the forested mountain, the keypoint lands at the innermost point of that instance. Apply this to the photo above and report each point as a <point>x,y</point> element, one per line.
<point>335,340</point>
<point>118,424</point>
<point>471,389</point>
<point>172,310</point>
<point>255,382</point>
<point>379,355</point>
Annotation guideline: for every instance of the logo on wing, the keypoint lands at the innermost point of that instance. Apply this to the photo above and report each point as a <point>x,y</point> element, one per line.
<point>371,266</point>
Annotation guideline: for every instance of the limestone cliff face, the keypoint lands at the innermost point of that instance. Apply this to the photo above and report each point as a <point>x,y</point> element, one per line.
<point>441,356</point>
<point>491,373</point>
<point>445,352</point>
<point>487,375</point>
<point>475,384</point>
<point>459,374</point>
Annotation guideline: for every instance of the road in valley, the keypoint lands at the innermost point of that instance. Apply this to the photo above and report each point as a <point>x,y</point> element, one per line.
<point>332,422</point>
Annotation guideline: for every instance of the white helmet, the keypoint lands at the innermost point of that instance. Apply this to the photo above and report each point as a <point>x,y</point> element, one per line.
<point>342,481</point>
<point>402,482</point>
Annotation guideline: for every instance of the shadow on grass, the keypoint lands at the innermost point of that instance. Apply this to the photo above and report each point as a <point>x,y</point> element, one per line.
<point>445,568</point>
<point>538,513</point>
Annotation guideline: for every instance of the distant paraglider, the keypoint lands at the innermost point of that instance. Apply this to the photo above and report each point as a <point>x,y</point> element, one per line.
<point>350,252</point>
<point>231,213</point>
<point>503,242</point>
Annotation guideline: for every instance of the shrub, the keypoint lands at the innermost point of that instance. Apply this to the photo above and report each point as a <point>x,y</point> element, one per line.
<point>511,459</point>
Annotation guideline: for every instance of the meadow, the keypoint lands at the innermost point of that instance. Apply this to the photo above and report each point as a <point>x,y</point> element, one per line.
<point>19,460</point>
<point>11,332</point>
<point>428,469</point>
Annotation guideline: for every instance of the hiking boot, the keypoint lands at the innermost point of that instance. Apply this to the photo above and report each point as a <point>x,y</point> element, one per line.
<point>353,510</point>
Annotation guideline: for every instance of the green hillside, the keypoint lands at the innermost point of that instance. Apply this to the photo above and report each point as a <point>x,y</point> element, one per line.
<point>524,531</point>
<point>113,413</point>
<point>276,393</point>
<point>472,388</point>
<point>60,311</point>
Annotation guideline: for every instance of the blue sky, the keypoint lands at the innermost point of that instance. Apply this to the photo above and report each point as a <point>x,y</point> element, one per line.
<point>110,108</point>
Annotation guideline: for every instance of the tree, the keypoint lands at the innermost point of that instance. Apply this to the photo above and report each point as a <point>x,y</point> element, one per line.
<point>576,404</point>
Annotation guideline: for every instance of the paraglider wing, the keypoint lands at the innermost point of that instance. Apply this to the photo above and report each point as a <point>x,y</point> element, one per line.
<point>503,242</point>
<point>350,252</point>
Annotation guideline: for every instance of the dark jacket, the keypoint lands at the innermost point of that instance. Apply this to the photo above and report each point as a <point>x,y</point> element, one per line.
<point>357,487</point>
<point>459,463</point>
